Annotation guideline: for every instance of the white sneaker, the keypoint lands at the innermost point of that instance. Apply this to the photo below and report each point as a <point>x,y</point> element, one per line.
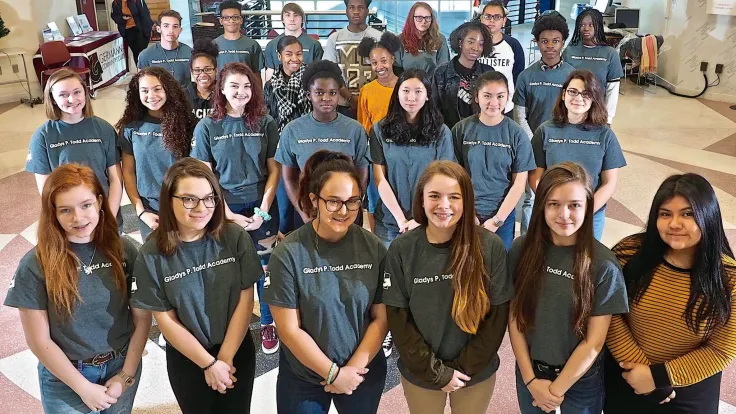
<point>388,343</point>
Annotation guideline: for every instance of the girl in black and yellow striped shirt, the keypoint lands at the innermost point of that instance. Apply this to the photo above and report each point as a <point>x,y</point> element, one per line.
<point>670,349</point>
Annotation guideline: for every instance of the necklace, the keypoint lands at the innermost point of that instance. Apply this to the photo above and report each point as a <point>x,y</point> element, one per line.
<point>166,58</point>
<point>88,267</point>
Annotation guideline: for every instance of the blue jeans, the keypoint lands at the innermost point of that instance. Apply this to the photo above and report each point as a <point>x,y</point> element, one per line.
<point>289,218</point>
<point>526,209</point>
<point>585,397</point>
<point>58,398</point>
<point>507,229</point>
<point>296,396</point>
<point>599,221</point>
<point>372,191</point>
<point>385,233</point>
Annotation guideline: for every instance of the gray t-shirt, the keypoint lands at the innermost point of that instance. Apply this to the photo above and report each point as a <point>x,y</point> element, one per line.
<point>174,61</point>
<point>538,90</point>
<point>331,285</point>
<point>342,48</point>
<point>144,141</point>
<point>553,338</point>
<point>201,281</point>
<point>491,154</point>
<point>404,164</point>
<point>305,135</point>
<point>424,60</point>
<point>100,321</point>
<point>244,50</point>
<point>311,48</point>
<point>418,280</point>
<point>92,142</point>
<point>596,150</point>
<point>603,61</point>
<point>238,154</point>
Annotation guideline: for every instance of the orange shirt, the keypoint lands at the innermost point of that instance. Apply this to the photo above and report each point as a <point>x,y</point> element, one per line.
<point>126,11</point>
<point>373,104</point>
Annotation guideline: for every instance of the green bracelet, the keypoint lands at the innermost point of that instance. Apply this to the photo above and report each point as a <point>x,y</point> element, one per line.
<point>258,212</point>
<point>332,372</point>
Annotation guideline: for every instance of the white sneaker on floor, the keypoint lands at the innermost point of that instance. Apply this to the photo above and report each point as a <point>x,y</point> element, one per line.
<point>388,343</point>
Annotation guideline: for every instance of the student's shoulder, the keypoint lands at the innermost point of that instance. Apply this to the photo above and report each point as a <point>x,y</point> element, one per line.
<point>185,48</point>
<point>48,127</point>
<point>348,122</point>
<point>373,32</point>
<point>465,123</point>
<point>366,238</point>
<point>233,235</point>
<point>566,67</point>
<point>145,53</point>
<point>149,248</point>
<point>605,260</point>
<point>29,263</point>
<point>490,241</point>
<point>511,41</point>
<point>517,244</point>
<point>130,248</point>
<point>407,242</point>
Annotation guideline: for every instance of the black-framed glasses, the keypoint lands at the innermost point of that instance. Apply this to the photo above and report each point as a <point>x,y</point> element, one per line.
<point>420,19</point>
<point>353,204</point>
<point>492,17</point>
<point>190,202</point>
<point>208,70</point>
<point>574,93</point>
<point>233,18</point>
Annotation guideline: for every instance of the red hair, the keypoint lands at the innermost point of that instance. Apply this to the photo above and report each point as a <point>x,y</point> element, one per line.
<point>255,109</point>
<point>410,38</point>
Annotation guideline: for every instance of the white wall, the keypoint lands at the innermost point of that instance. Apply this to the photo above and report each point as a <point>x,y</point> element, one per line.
<point>652,14</point>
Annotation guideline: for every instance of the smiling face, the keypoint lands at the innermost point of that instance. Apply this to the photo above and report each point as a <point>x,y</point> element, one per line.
<point>291,58</point>
<point>578,105</point>
<point>231,19</point>
<point>340,187</point>
<point>382,63</point>
<point>676,224</point>
<point>237,90</point>
<point>151,92</point>
<point>493,18</point>
<point>78,212</point>
<point>492,98</point>
<point>69,96</point>
<point>412,96</point>
<point>196,219</point>
<point>324,94</point>
<point>564,212</point>
<point>170,29</point>
<point>443,202</point>
<point>207,72</point>
<point>422,19</point>
<point>357,12</point>
<point>471,47</point>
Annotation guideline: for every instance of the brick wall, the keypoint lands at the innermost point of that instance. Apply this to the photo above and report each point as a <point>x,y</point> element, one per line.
<point>157,6</point>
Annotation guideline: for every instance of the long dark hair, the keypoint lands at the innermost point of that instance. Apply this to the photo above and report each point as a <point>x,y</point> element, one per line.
<point>597,114</point>
<point>317,170</point>
<point>709,303</point>
<point>255,109</point>
<point>177,122</point>
<point>530,267</point>
<point>470,277</point>
<point>597,17</point>
<point>429,123</point>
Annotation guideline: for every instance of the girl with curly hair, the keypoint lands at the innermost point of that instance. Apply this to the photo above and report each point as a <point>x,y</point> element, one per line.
<point>454,80</point>
<point>238,141</point>
<point>422,44</point>
<point>204,72</point>
<point>155,130</point>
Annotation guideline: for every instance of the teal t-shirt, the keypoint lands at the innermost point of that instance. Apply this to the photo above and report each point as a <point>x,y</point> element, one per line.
<point>424,60</point>
<point>538,90</point>
<point>603,61</point>
<point>311,48</point>
<point>244,50</point>
<point>174,61</point>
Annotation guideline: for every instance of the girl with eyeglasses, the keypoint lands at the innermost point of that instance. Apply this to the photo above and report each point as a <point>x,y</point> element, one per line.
<point>668,353</point>
<point>567,286</point>
<point>589,50</point>
<point>204,72</point>
<point>196,274</point>
<point>453,81</point>
<point>447,298</point>
<point>422,45</point>
<point>155,130</point>
<point>324,287</point>
<point>72,291</point>
<point>238,141</point>
<point>579,132</point>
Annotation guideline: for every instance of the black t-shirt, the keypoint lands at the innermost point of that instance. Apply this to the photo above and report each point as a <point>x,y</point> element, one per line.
<point>465,90</point>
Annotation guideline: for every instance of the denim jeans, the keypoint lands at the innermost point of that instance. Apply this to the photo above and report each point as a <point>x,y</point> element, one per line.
<point>372,191</point>
<point>58,398</point>
<point>526,209</point>
<point>385,233</point>
<point>599,221</point>
<point>296,396</point>
<point>507,230</point>
<point>586,396</point>
<point>289,218</point>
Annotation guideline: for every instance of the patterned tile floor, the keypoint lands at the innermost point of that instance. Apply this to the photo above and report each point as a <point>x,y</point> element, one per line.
<point>659,133</point>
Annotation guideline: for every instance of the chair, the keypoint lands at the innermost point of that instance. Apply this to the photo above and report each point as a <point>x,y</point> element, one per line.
<point>533,49</point>
<point>56,53</point>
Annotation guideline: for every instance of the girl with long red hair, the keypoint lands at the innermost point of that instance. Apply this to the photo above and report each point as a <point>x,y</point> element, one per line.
<point>72,291</point>
<point>422,44</point>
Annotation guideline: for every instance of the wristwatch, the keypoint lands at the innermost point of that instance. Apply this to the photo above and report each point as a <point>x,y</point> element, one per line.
<point>496,221</point>
<point>128,380</point>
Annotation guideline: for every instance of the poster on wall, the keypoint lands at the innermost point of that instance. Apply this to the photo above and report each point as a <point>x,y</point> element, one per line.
<point>723,7</point>
<point>106,62</point>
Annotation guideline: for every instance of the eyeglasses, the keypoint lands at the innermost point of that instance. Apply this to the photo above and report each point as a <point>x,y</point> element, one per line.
<point>354,204</point>
<point>231,18</point>
<point>419,19</point>
<point>574,93</point>
<point>208,70</point>
<point>190,203</point>
<point>494,17</point>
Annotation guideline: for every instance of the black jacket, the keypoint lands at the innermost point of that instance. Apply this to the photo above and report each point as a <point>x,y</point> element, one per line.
<point>139,11</point>
<point>445,85</point>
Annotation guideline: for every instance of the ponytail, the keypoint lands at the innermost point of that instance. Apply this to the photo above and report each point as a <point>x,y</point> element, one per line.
<point>317,171</point>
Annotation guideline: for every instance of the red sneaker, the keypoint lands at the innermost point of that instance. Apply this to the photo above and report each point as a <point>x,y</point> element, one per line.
<point>269,339</point>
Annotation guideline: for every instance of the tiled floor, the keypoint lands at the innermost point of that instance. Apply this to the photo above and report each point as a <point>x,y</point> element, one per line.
<point>659,133</point>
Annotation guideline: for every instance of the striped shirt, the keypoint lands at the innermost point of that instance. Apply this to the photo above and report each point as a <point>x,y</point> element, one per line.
<point>655,330</point>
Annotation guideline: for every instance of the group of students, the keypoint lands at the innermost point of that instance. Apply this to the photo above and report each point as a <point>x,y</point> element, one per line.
<point>644,328</point>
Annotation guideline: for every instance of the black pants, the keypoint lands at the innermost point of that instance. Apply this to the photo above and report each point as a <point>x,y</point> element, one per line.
<point>136,40</point>
<point>193,394</point>
<point>700,398</point>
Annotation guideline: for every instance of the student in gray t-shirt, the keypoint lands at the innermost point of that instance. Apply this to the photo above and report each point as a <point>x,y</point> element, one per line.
<point>582,138</point>
<point>402,145</point>
<point>155,129</point>
<point>292,16</point>
<point>196,274</point>
<point>324,128</point>
<point>422,44</point>
<point>72,291</point>
<point>324,286</point>
<point>73,134</point>
<point>169,53</point>
<point>496,153</point>
<point>439,342</point>
<point>568,291</point>
<point>234,45</point>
